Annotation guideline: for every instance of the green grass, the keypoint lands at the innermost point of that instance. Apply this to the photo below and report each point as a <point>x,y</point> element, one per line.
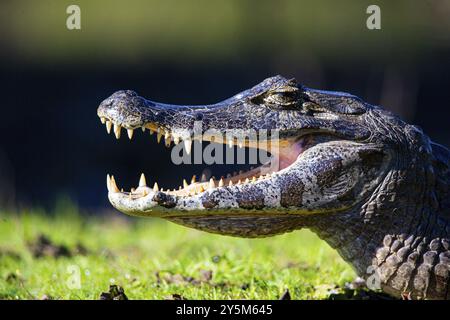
<point>132,252</point>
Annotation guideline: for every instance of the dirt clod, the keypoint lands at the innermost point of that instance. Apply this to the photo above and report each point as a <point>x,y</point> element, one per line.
<point>286,295</point>
<point>206,275</point>
<point>115,293</point>
<point>175,296</point>
<point>44,247</point>
<point>81,250</point>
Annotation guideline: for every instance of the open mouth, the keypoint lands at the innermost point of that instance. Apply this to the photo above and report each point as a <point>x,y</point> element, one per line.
<point>283,153</point>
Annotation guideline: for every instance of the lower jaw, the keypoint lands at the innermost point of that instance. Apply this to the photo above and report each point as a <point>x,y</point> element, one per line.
<point>247,226</point>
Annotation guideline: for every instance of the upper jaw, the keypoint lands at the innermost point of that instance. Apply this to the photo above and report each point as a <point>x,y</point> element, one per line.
<point>238,117</point>
<point>126,110</point>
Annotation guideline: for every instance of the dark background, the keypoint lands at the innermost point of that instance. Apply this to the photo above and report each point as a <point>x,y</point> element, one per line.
<point>52,144</point>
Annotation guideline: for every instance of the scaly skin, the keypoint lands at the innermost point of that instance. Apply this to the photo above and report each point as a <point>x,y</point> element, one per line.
<point>374,187</point>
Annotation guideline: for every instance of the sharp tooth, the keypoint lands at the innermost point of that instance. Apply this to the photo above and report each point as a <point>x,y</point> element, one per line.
<point>117,130</point>
<point>241,144</point>
<point>130,133</point>
<point>188,145</point>
<point>180,188</point>
<point>142,181</point>
<point>166,135</point>
<point>246,180</point>
<point>239,181</point>
<point>113,185</point>
<point>155,187</point>
<point>230,183</point>
<point>143,129</point>
<point>151,131</point>
<point>103,120</point>
<point>144,192</point>
<point>168,140</point>
<point>221,182</point>
<point>212,184</point>
<point>254,179</point>
<point>185,184</point>
<point>193,179</point>
<point>132,190</point>
<point>203,178</point>
<point>108,126</point>
<point>230,143</point>
<point>108,183</point>
<point>176,140</point>
<point>158,136</point>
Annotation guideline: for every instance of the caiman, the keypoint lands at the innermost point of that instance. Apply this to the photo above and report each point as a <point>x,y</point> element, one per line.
<point>371,185</point>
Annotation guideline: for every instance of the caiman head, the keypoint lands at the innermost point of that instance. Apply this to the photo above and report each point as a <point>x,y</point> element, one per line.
<point>329,152</point>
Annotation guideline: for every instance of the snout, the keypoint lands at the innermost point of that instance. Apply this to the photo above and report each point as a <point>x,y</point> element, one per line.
<point>125,108</point>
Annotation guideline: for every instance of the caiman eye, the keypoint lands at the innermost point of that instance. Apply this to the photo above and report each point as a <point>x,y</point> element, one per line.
<point>284,99</point>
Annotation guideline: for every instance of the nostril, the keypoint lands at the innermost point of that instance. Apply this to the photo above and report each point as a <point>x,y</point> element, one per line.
<point>106,103</point>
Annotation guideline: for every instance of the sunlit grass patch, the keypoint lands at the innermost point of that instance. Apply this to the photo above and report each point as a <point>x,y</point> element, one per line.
<point>70,256</point>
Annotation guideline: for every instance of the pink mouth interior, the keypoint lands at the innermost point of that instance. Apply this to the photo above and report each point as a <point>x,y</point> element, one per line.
<point>288,154</point>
